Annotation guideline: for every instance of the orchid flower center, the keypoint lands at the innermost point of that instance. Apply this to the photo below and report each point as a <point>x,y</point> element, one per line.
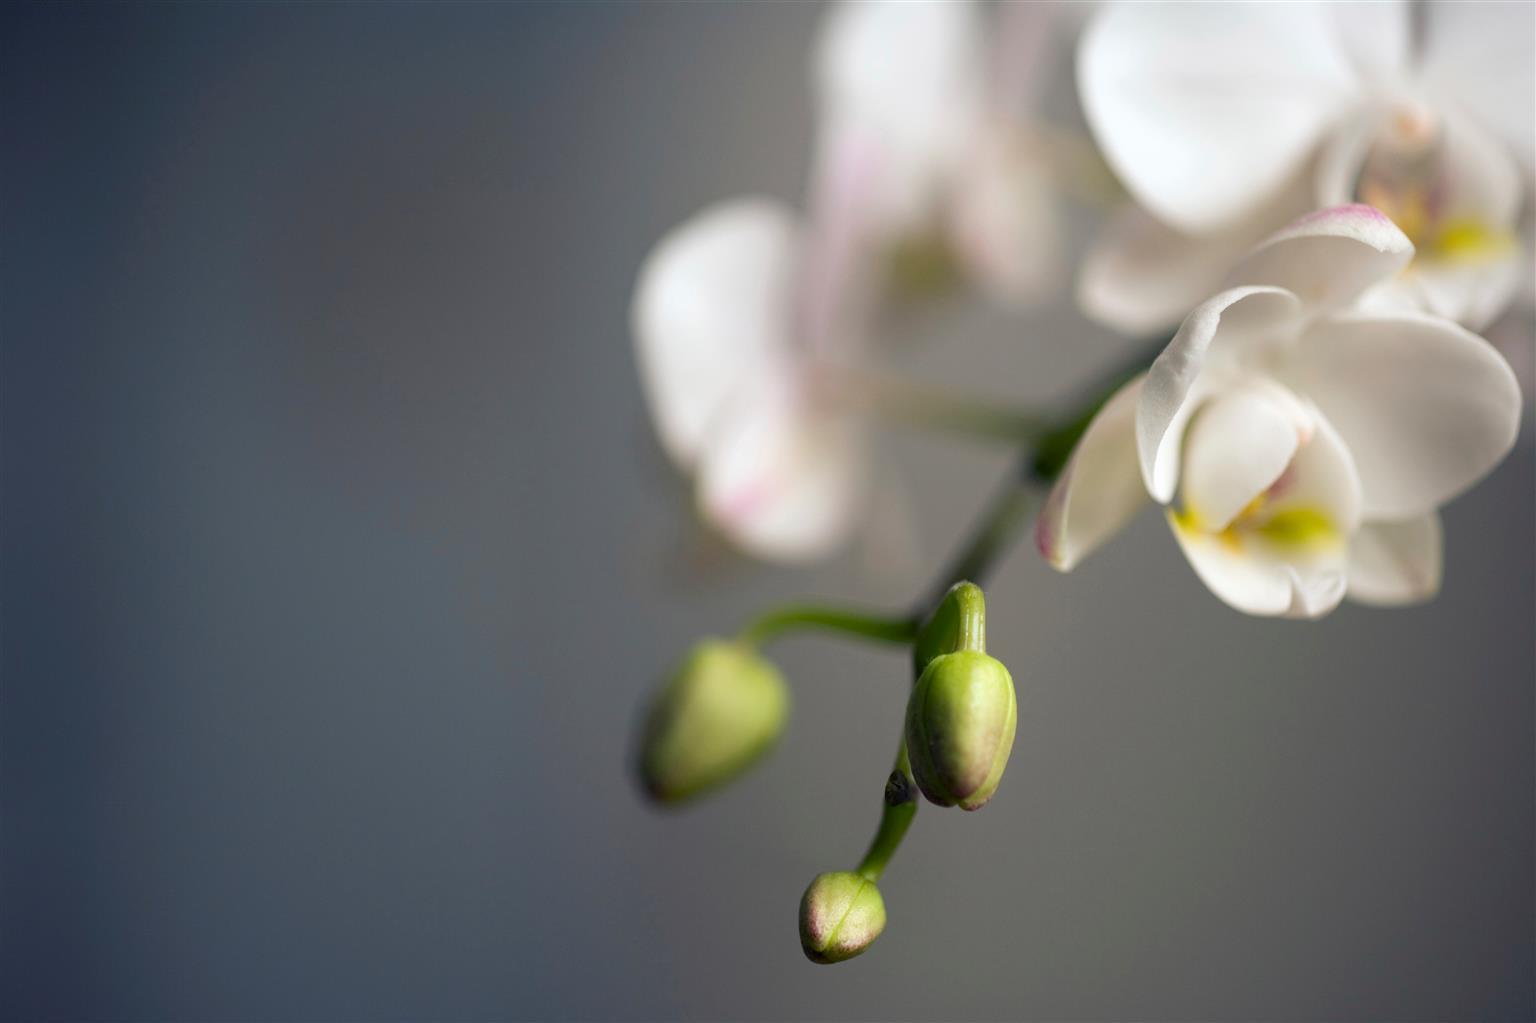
<point>922,265</point>
<point>1229,442</point>
<point>1290,527</point>
<point>1405,176</point>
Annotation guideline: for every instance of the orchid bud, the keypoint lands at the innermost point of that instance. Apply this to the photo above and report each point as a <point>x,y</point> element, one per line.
<point>841,914</point>
<point>960,725</point>
<point>721,711</point>
<point>962,713</point>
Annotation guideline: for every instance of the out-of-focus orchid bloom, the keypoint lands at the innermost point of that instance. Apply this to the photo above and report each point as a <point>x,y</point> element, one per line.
<point>1302,443</point>
<point>741,312</point>
<point>730,382</point>
<point>1225,121</point>
<point>932,112</point>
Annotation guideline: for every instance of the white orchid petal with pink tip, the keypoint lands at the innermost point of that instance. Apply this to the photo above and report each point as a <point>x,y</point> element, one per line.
<point>1328,258</point>
<point>783,481</point>
<point>716,332</point>
<point>1301,441</point>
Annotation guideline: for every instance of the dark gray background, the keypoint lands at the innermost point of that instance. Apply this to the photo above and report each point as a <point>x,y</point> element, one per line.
<point>338,555</point>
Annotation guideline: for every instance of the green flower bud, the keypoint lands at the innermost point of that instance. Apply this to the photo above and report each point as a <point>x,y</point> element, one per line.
<point>841,914</point>
<point>719,714</point>
<point>960,724</point>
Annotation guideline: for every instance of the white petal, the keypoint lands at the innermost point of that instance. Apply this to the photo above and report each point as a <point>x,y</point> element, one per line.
<point>1472,293</point>
<point>781,480</point>
<point>1099,490</point>
<point>837,282</point>
<point>1237,446</point>
<point>1218,331</point>
<point>712,309</point>
<point>1376,38</point>
<point>1426,407</point>
<point>1253,578</point>
<point>1483,180</point>
<point>1343,154</point>
<point>1207,110</point>
<point>906,76</point>
<point>1396,563</point>
<point>1003,221</point>
<point>1328,258</point>
<point>1480,53</point>
<point>1140,275</point>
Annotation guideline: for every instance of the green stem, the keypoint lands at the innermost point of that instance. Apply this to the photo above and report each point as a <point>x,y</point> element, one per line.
<point>931,407</point>
<point>895,818</point>
<point>1009,510</point>
<point>994,532</point>
<point>1000,523</point>
<point>882,628</point>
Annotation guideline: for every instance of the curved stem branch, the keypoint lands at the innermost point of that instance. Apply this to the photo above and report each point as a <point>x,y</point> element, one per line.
<point>1039,464</point>
<point>931,407</point>
<point>990,538</point>
<point>895,818</point>
<point>882,628</point>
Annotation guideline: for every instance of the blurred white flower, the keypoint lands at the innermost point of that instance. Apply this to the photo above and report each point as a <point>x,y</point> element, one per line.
<point>933,108</point>
<point>1225,121</point>
<point>730,382</point>
<point>1303,442</point>
<point>745,316</point>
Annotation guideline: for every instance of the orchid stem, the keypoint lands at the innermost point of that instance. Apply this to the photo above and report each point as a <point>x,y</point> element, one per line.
<point>1039,464</point>
<point>896,815</point>
<point>881,628</point>
<point>1041,461</point>
<point>902,401</point>
<point>1005,516</point>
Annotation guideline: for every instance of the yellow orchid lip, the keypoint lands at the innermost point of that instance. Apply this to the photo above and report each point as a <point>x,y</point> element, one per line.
<point>1297,528</point>
<point>1300,527</point>
<point>1462,241</point>
<point>1468,241</point>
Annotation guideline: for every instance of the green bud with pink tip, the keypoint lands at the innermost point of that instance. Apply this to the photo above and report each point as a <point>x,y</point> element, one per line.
<point>841,915</point>
<point>963,712</point>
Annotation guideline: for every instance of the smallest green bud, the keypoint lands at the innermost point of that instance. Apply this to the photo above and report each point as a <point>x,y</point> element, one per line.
<point>719,714</point>
<point>841,915</point>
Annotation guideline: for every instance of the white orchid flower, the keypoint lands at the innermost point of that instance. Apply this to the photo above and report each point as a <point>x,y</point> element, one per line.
<point>728,377</point>
<point>1300,442</point>
<point>1225,121</point>
<point>934,111</point>
<point>741,311</point>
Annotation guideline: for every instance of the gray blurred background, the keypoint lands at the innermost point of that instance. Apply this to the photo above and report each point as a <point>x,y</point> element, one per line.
<point>338,556</point>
